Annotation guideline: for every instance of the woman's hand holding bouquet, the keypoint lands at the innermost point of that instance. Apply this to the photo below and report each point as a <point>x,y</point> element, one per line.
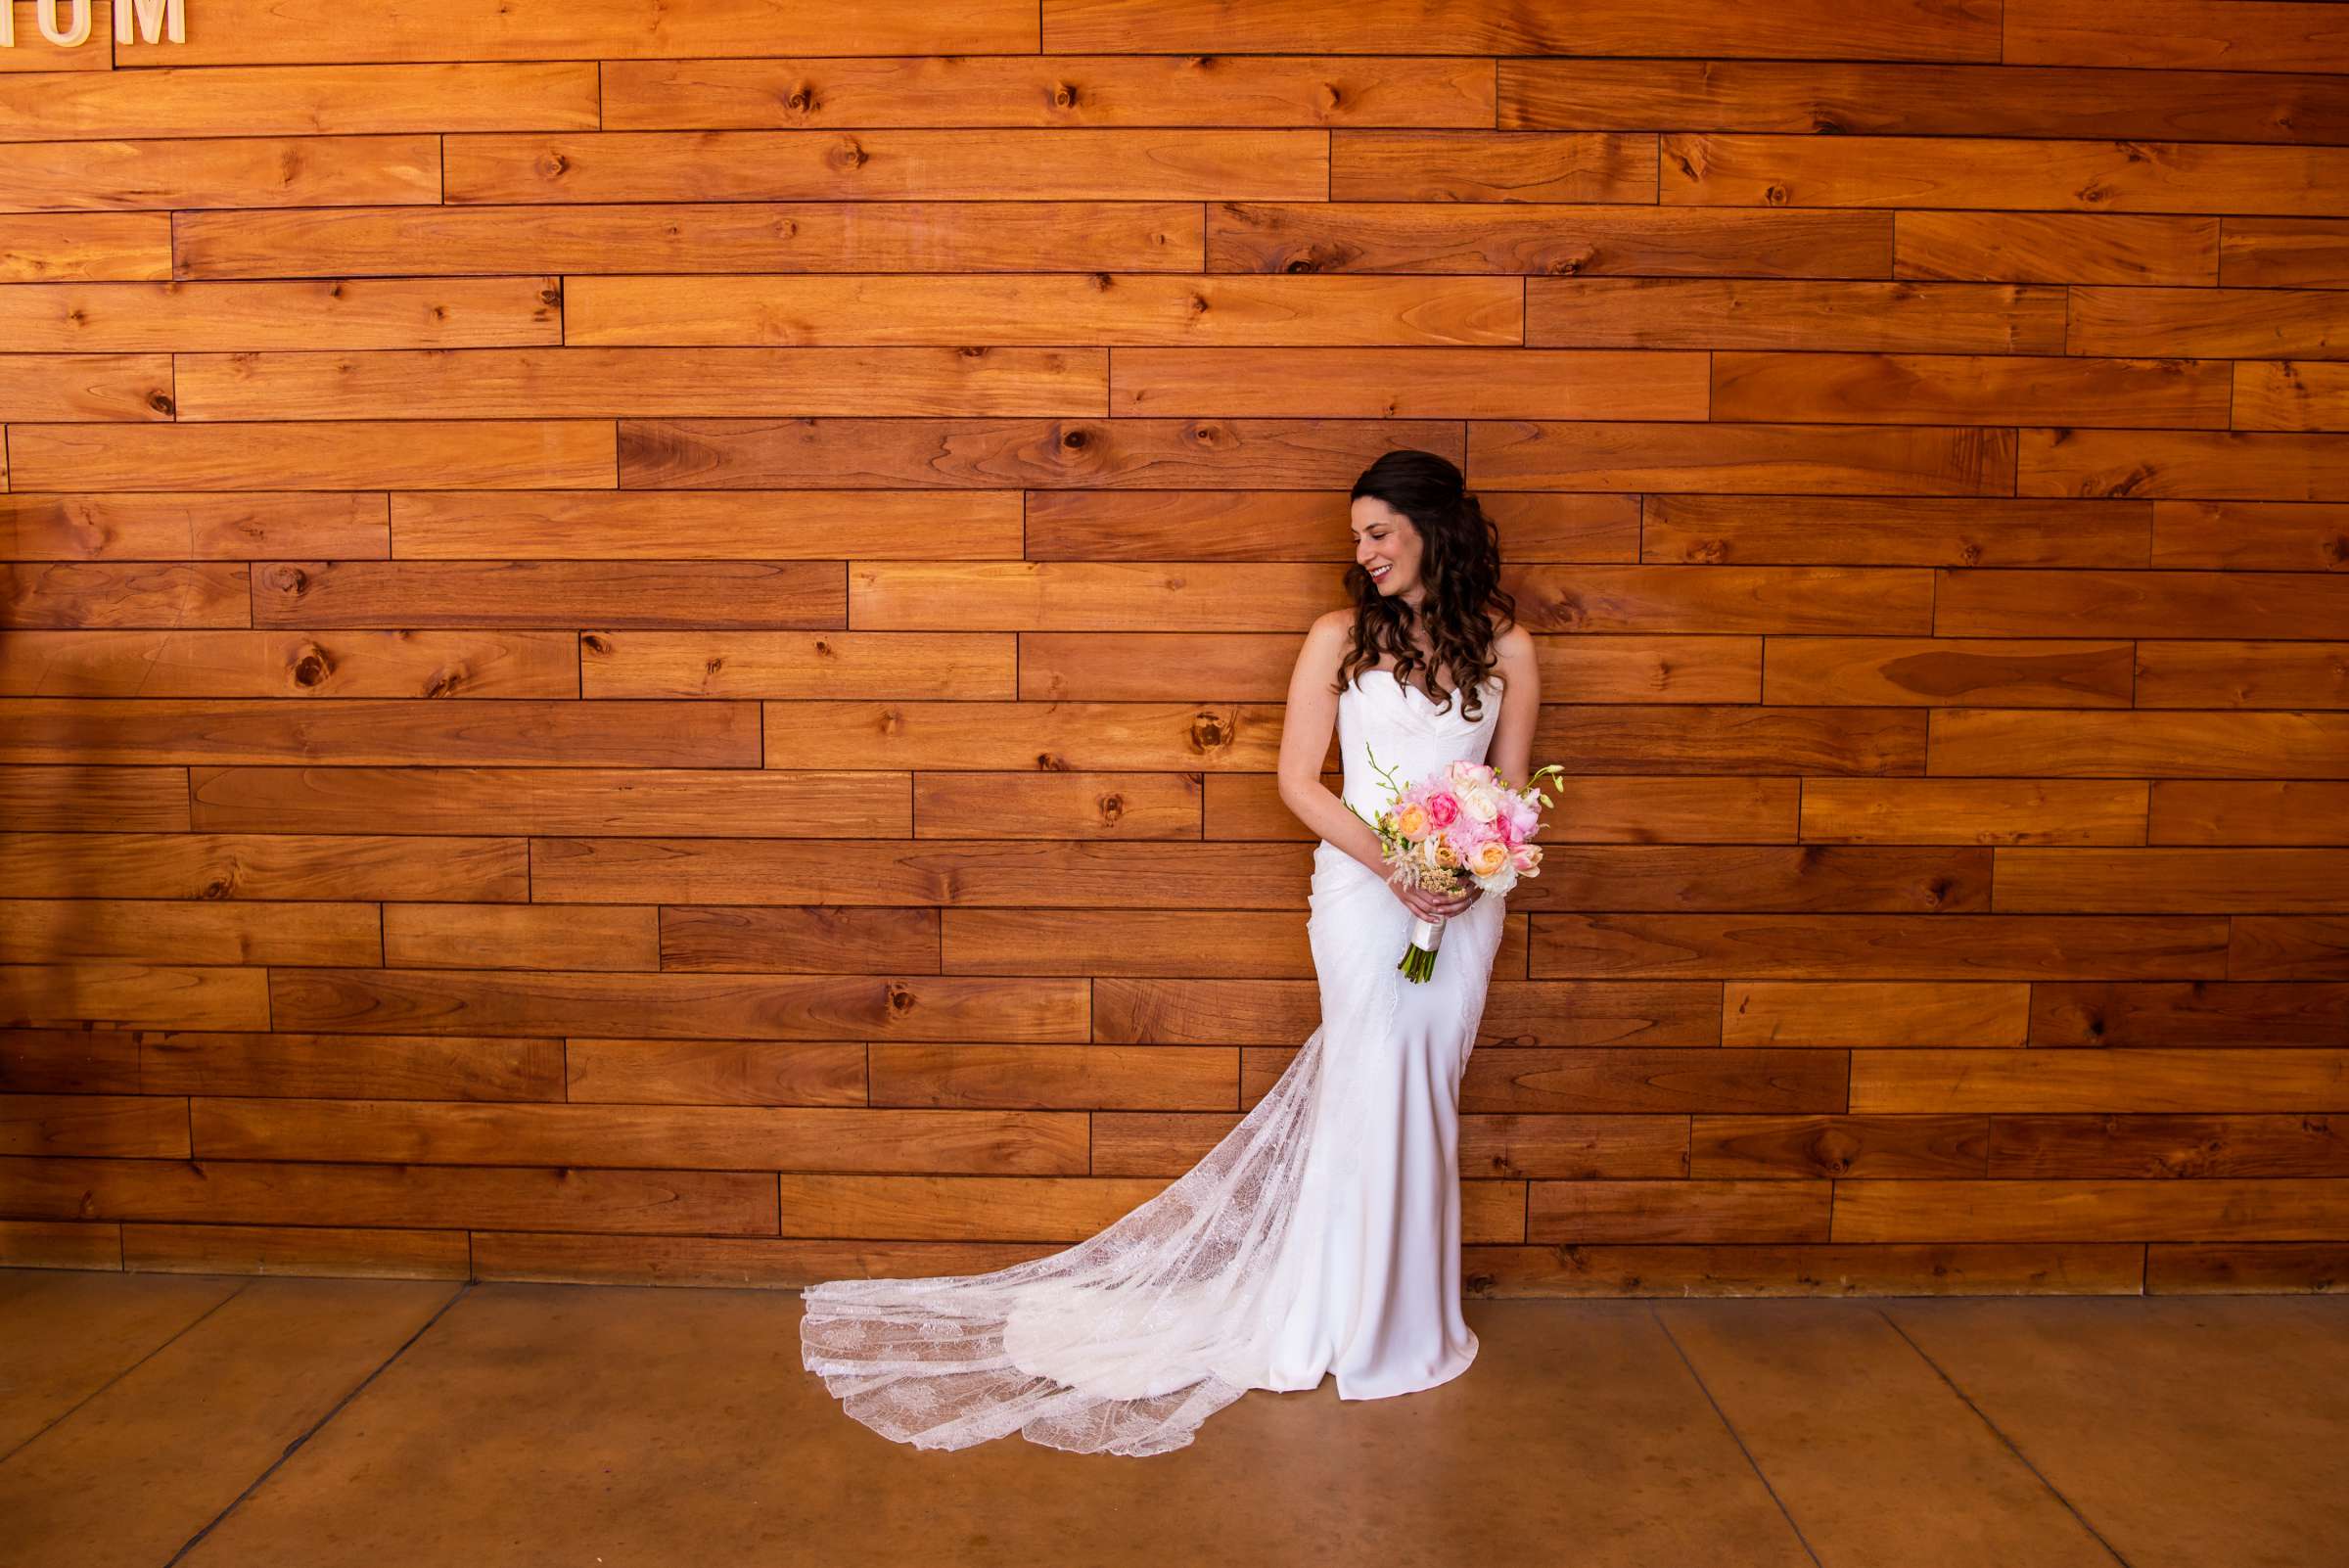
<point>1463,826</point>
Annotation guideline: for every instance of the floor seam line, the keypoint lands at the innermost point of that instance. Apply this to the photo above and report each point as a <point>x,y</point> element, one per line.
<point>2012,1447</point>
<point>184,1328</point>
<point>319,1425</point>
<point>1735,1437</point>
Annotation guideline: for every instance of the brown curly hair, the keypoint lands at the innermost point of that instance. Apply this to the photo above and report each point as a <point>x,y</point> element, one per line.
<point>1460,565</point>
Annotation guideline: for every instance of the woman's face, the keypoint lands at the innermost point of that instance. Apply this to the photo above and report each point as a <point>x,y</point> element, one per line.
<point>1388,547</point>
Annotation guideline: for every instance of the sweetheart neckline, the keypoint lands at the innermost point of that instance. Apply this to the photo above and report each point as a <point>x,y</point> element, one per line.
<point>1488,680</point>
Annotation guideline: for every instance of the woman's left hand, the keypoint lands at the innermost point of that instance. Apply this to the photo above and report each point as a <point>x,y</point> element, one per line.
<point>1460,901</point>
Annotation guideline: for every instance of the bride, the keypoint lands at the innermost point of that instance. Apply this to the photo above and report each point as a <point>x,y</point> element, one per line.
<point>1323,1234</point>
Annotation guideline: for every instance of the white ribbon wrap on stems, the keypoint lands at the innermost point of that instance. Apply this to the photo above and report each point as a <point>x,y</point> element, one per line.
<point>1427,935</point>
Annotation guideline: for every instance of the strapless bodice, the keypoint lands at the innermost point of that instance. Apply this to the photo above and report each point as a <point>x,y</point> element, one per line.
<point>1408,732</point>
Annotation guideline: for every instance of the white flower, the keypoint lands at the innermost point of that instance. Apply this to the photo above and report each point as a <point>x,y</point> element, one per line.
<point>1481,803</point>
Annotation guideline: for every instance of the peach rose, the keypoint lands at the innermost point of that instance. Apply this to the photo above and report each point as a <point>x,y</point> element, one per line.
<point>1490,856</point>
<point>1411,820</point>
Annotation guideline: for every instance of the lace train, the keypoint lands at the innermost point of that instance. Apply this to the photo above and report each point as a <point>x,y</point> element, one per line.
<point>1121,1343</point>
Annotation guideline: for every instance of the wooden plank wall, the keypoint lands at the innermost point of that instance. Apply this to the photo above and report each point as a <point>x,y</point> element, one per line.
<point>645,642</point>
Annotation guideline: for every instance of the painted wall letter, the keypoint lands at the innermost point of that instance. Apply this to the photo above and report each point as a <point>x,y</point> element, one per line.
<point>171,15</point>
<point>45,13</point>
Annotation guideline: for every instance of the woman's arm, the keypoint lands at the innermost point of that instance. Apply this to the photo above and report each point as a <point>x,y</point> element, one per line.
<point>1305,726</point>
<point>1512,751</point>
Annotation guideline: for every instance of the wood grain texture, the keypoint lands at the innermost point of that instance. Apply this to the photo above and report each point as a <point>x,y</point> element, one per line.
<point>1914,29</point>
<point>650,643</point>
<point>2000,174</point>
<point>2225,104</point>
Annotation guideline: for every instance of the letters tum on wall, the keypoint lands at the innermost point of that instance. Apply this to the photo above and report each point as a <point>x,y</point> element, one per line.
<point>156,21</point>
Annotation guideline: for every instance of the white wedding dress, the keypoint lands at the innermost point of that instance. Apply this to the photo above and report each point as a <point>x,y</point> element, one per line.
<point>1320,1235</point>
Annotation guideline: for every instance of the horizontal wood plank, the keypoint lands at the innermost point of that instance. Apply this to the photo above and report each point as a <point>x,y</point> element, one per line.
<point>2254,322</point>
<point>1837,1014</point>
<point>2172,880</point>
<point>2271,535</point>
<point>1940,671</point>
<point>1786,313</point>
<point>2111,248</point>
<point>1923,530</point>
<point>2137,1078</point>
<point>885,164</point>
<point>1984,811</point>
<point>1878,947</point>
<point>1975,389</point>
<point>1904,29</point>
<point>1045,309</point>
<point>698,1137</point>
<point>2196,33</point>
<point>270,1193</point>
<point>1545,240</point>
<point>1999,173</point>
<point>1150,454</point>
<point>1770,458</point>
<point>2230,604</point>
<point>676,239</point>
<point>1411,382</point>
<point>440,1001</point>
<point>2186,744</point>
<point>1802,97</point>
<point>2150,1012</point>
<point>2247,812</point>
<point>595,383</point>
<point>1006,91</point>
<point>2218,674</point>
<point>152,173</point>
<point>2281,1209</point>
<point>1490,165</point>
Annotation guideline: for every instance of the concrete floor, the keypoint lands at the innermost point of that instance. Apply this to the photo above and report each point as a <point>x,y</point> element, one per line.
<point>148,1420</point>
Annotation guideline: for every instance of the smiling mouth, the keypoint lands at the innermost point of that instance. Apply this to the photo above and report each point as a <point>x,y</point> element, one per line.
<point>1377,573</point>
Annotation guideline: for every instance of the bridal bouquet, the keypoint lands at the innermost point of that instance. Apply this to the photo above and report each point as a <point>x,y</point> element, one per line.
<point>1461,822</point>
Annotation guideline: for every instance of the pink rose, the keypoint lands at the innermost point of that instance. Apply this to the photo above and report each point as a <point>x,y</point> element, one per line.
<point>1443,809</point>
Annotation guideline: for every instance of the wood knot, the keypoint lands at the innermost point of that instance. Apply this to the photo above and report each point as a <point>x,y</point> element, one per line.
<point>594,642</point>
<point>1209,733</point>
<point>1834,1151</point>
<point>1064,95</point>
<point>312,668</point>
<point>900,997</point>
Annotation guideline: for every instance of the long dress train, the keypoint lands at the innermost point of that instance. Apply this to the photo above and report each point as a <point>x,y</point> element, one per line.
<point>1320,1235</point>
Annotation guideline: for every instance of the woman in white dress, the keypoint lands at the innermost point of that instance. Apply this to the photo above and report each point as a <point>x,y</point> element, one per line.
<point>1323,1234</point>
